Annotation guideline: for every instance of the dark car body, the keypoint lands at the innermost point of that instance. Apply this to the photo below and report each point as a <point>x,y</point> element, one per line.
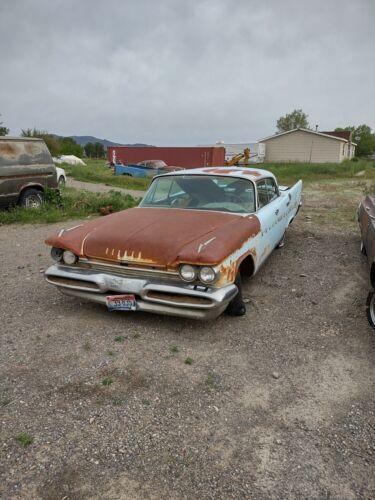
<point>26,171</point>
<point>366,219</point>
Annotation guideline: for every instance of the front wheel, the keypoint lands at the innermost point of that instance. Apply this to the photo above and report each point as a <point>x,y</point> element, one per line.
<point>31,198</point>
<point>61,181</point>
<point>237,306</point>
<point>370,308</point>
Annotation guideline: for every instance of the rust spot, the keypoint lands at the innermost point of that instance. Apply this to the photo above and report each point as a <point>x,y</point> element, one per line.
<point>220,170</point>
<point>251,172</point>
<point>7,149</point>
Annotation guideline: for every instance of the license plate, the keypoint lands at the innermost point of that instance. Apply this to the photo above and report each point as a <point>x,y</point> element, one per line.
<point>121,303</point>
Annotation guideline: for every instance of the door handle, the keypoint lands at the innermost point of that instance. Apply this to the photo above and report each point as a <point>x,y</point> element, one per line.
<point>277,211</point>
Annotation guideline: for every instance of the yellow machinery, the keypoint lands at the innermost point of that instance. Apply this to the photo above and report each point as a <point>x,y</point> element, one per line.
<point>245,155</point>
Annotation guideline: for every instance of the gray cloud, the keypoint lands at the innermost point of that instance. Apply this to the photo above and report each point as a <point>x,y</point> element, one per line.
<point>177,72</point>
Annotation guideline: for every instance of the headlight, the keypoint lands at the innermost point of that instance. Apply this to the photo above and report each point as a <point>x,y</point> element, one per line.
<point>188,273</point>
<point>207,274</point>
<point>69,257</point>
<point>56,254</point>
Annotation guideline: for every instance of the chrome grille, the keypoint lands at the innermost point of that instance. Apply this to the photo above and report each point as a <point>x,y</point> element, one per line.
<point>129,271</point>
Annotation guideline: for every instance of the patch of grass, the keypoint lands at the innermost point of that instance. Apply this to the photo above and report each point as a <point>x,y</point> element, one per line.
<point>288,173</point>
<point>146,402</point>
<point>173,349</point>
<point>96,171</point>
<point>189,361</point>
<point>72,204</point>
<point>24,439</point>
<point>4,401</point>
<point>107,381</point>
<point>210,380</point>
<point>119,338</point>
<point>110,353</point>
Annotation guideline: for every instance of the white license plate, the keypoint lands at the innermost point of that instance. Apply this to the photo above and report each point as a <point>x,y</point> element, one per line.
<point>121,302</point>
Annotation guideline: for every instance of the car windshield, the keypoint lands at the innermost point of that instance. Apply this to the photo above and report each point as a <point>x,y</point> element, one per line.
<point>201,192</point>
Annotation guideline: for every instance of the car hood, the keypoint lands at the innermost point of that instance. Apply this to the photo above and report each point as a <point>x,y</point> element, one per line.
<point>159,237</point>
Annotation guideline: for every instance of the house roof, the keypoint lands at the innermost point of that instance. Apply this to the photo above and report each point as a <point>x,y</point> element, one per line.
<point>322,134</point>
<point>344,134</point>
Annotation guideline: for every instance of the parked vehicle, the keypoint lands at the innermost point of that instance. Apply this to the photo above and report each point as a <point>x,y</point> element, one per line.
<point>183,251</point>
<point>61,177</point>
<point>366,219</point>
<point>26,171</point>
<point>147,168</point>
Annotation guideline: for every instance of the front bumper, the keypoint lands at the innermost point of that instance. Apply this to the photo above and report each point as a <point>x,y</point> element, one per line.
<point>183,300</point>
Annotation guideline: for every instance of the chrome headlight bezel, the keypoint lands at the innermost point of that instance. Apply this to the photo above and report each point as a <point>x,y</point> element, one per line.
<point>212,279</point>
<point>69,258</point>
<point>193,270</point>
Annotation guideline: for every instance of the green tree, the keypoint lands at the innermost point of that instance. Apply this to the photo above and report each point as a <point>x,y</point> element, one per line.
<point>94,150</point>
<point>363,137</point>
<point>295,119</point>
<point>89,149</point>
<point>68,146</point>
<point>51,141</point>
<point>3,130</point>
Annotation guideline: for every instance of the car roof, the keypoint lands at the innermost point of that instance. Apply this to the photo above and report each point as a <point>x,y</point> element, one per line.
<point>254,174</point>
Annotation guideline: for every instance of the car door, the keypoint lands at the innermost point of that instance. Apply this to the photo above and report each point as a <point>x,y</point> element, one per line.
<point>270,215</point>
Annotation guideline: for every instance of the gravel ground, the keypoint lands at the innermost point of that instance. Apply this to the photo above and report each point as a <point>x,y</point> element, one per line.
<point>101,188</point>
<point>276,404</point>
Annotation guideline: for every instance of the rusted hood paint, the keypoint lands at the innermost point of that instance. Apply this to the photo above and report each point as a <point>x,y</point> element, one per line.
<point>160,237</point>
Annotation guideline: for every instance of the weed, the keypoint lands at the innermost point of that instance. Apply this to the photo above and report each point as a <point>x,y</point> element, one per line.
<point>119,338</point>
<point>118,402</point>
<point>4,401</point>
<point>146,402</point>
<point>174,349</point>
<point>107,381</point>
<point>110,353</point>
<point>86,345</point>
<point>210,380</point>
<point>24,439</point>
<point>188,361</point>
<point>136,336</point>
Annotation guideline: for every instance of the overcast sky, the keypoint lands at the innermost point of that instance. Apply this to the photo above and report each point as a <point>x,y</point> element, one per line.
<point>185,72</point>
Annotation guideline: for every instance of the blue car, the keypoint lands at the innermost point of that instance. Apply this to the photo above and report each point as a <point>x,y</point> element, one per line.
<point>147,168</point>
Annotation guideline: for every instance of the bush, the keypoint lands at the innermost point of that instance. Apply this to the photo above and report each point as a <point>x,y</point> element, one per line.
<point>72,204</point>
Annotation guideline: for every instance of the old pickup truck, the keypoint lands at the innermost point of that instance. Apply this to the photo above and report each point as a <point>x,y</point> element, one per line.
<point>366,219</point>
<point>183,250</point>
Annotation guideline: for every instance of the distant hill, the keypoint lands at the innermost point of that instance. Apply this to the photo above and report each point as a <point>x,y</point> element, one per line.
<point>82,140</point>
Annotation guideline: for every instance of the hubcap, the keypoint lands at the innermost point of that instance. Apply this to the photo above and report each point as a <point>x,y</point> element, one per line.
<point>33,201</point>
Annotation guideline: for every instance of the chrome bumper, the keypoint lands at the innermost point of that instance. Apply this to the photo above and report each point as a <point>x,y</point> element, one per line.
<point>182,300</point>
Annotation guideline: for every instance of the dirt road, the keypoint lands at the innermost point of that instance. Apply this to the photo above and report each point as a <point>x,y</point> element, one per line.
<point>276,404</point>
<point>101,188</point>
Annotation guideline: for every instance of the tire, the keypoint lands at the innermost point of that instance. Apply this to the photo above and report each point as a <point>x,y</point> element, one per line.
<point>281,242</point>
<point>32,198</point>
<point>61,181</point>
<point>363,249</point>
<point>237,306</point>
<point>370,308</point>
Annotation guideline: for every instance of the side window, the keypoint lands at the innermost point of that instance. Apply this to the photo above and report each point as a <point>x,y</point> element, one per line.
<point>272,190</point>
<point>262,193</point>
<point>267,192</point>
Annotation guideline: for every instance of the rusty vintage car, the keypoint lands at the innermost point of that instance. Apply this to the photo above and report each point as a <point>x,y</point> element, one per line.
<point>183,250</point>
<point>366,219</point>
